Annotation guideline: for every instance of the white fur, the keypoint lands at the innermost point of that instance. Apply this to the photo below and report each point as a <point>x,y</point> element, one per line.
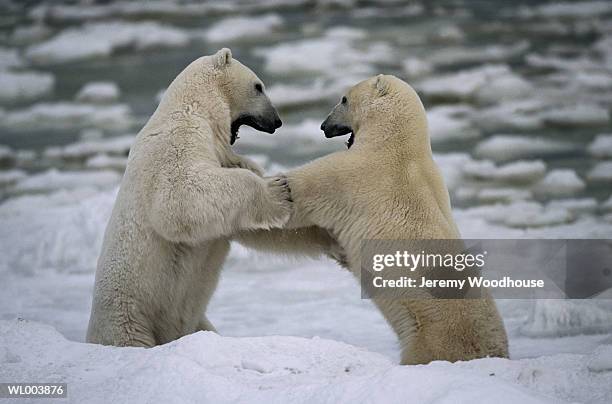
<point>184,193</point>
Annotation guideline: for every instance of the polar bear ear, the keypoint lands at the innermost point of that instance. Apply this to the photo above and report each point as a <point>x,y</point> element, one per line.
<point>223,58</point>
<point>382,85</point>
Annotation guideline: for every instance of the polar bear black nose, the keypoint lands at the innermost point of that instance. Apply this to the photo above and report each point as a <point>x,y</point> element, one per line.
<point>277,123</point>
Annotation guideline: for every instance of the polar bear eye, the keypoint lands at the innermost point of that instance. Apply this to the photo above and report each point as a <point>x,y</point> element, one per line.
<point>344,100</point>
<point>259,88</point>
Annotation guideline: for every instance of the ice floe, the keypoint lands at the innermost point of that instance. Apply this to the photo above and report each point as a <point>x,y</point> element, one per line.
<point>339,52</point>
<point>486,84</point>
<point>9,58</point>
<point>566,9</point>
<point>601,172</point>
<point>488,195</point>
<point>511,115</point>
<point>69,115</point>
<point>10,177</point>
<point>577,115</point>
<point>486,54</point>
<point>292,95</point>
<point>241,28</point>
<point>53,180</point>
<point>102,39</point>
<point>601,147</point>
<point>576,206</point>
<point>521,171</point>
<point>7,156</point>
<point>511,147</point>
<point>117,146</point>
<point>561,182</point>
<point>451,122</point>
<point>99,92</point>
<point>24,86</point>
<point>415,67</point>
<point>104,161</point>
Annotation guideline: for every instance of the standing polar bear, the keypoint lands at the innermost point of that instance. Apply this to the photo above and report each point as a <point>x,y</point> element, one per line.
<point>386,186</point>
<point>184,193</point>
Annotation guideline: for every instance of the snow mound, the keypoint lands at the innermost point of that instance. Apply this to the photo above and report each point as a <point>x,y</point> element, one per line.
<point>521,171</point>
<point>24,86</point>
<point>556,318</point>
<point>601,147</point>
<point>99,92</point>
<point>240,28</point>
<point>102,39</point>
<point>53,180</point>
<point>205,367</point>
<point>560,182</point>
<point>338,53</point>
<point>601,172</point>
<point>485,84</point>
<point>512,147</point>
<point>64,115</point>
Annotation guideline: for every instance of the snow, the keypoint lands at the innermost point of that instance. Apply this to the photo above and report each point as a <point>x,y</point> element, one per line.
<point>512,147</point>
<point>601,359</point>
<point>601,147</point>
<point>205,367</point>
<point>601,172</point>
<point>104,38</point>
<point>335,54</point>
<point>24,86</point>
<point>484,84</point>
<point>521,171</point>
<point>241,28</point>
<point>69,115</point>
<point>560,182</point>
<point>52,180</point>
<point>99,92</point>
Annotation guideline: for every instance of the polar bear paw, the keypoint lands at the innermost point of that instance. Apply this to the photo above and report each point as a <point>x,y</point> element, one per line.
<point>280,193</point>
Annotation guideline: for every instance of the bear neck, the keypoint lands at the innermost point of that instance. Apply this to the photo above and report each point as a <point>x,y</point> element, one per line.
<point>407,140</point>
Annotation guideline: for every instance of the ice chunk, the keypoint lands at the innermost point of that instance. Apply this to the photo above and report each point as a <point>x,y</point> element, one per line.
<point>601,147</point>
<point>11,176</point>
<point>104,161</point>
<point>415,67</point>
<point>451,122</point>
<point>512,147</point>
<point>513,115</point>
<point>576,206</point>
<point>339,52</point>
<point>27,34</point>
<point>99,92</point>
<point>24,86</point>
<point>7,156</point>
<point>488,195</point>
<point>241,28</point>
<point>566,9</point>
<point>102,39</point>
<point>518,171</point>
<point>292,95</point>
<point>578,115</point>
<point>538,218</point>
<point>53,180</point>
<point>601,172</point>
<point>450,164</point>
<point>484,54</point>
<point>69,115</point>
<point>560,183</point>
<point>607,205</point>
<point>9,58</point>
<point>489,83</point>
<point>114,146</point>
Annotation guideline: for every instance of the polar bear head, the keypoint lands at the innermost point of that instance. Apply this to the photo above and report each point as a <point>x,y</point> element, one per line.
<point>381,108</point>
<point>245,94</point>
<point>226,92</point>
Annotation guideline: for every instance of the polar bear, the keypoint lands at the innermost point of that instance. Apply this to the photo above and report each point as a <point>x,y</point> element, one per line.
<point>184,193</point>
<point>386,186</point>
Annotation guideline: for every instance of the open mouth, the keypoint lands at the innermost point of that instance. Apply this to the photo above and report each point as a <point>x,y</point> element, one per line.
<point>248,121</point>
<point>336,131</point>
